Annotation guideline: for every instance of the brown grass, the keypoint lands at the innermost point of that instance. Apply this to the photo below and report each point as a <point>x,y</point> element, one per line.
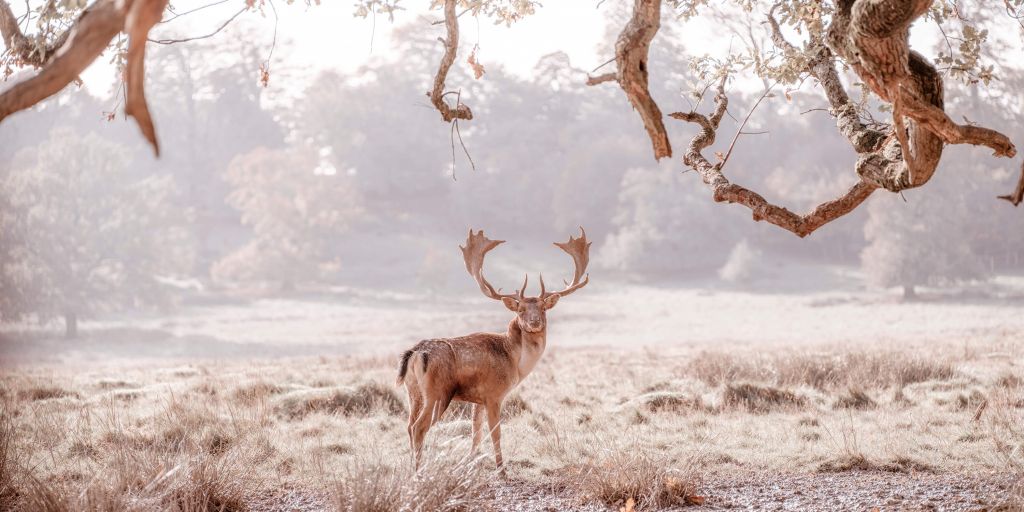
<point>622,475</point>
<point>444,483</point>
<point>855,398</point>
<point>363,400</point>
<point>669,401</point>
<point>760,399</point>
<point>125,438</point>
<point>822,371</point>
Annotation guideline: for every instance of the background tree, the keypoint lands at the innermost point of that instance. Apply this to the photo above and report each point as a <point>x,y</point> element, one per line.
<point>870,37</point>
<point>89,234</point>
<point>921,241</point>
<point>298,207</point>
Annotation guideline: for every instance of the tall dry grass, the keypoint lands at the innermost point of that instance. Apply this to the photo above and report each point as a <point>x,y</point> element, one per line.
<point>593,427</point>
<point>879,368</point>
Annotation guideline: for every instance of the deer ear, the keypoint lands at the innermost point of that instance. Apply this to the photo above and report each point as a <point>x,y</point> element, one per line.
<point>551,301</point>
<point>510,303</point>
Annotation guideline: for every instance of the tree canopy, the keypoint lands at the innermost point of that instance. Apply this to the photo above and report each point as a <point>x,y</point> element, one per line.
<point>811,40</point>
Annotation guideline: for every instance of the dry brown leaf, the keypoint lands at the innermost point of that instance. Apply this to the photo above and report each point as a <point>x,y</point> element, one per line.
<point>695,500</point>
<point>478,69</point>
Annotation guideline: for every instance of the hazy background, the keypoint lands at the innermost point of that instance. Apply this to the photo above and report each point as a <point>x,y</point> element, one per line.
<point>323,213</point>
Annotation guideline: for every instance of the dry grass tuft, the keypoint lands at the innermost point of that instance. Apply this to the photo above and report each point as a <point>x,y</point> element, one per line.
<point>8,463</point>
<point>1009,381</point>
<point>514,406</point>
<point>855,399</point>
<point>858,462</point>
<point>848,462</point>
<point>362,401</point>
<point>668,401</point>
<point>623,475</point>
<point>444,483</point>
<point>255,391</point>
<point>35,393</point>
<point>821,371</point>
<point>759,399</point>
<point>116,384</point>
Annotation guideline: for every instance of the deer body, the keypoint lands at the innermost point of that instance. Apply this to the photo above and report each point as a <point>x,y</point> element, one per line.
<point>481,368</point>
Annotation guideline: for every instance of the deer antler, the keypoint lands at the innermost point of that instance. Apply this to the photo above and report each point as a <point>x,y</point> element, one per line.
<point>477,246</point>
<point>579,249</point>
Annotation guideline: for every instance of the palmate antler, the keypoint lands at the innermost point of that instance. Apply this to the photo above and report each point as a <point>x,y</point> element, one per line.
<point>579,249</point>
<point>477,246</point>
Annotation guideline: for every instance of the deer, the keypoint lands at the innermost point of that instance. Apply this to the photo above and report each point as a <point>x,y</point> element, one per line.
<point>482,368</point>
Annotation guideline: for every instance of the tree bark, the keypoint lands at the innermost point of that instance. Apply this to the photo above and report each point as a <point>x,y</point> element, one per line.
<point>909,292</point>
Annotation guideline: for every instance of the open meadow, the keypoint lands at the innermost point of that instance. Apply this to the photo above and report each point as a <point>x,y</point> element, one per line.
<point>928,417</point>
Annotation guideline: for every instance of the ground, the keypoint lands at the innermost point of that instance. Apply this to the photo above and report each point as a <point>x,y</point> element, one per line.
<point>648,397</point>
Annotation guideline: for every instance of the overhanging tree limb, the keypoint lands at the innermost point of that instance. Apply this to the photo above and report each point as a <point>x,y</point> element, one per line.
<point>90,35</point>
<point>631,56</point>
<point>725,191</point>
<point>451,47</point>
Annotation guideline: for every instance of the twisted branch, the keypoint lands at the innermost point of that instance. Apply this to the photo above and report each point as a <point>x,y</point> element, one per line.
<point>873,37</point>
<point>451,46</point>
<point>725,191</point>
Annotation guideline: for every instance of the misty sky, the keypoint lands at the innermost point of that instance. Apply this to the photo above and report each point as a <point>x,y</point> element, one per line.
<point>328,36</point>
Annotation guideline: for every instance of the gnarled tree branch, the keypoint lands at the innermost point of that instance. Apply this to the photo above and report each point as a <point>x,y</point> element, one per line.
<point>631,52</point>
<point>83,43</point>
<point>873,37</point>
<point>451,46</point>
<point>725,191</point>
<point>27,52</point>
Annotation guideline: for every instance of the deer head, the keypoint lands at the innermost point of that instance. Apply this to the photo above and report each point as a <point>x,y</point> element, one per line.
<point>530,311</point>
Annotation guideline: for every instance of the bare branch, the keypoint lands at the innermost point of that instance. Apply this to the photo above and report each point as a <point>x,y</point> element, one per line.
<point>600,79</point>
<point>451,46</point>
<point>725,191</point>
<point>822,67</point>
<point>209,35</point>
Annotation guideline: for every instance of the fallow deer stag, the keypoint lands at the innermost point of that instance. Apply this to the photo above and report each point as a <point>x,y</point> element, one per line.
<point>482,368</point>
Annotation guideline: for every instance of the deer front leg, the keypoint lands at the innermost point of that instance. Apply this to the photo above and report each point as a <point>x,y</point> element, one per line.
<point>478,424</point>
<point>493,422</point>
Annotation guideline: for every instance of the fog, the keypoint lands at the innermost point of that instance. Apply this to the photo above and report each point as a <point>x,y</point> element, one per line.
<point>331,223</point>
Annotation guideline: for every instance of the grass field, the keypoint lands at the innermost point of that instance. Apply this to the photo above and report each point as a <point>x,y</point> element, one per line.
<point>918,422</point>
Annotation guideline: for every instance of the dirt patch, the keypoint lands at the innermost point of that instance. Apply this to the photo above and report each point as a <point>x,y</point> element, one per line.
<point>855,490</point>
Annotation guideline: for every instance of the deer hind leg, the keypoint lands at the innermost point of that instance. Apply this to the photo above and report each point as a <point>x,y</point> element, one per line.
<point>429,414</point>
<point>415,408</point>
<point>493,423</point>
<point>478,424</point>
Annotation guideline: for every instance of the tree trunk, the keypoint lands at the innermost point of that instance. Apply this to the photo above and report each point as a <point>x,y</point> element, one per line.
<point>70,325</point>
<point>909,293</point>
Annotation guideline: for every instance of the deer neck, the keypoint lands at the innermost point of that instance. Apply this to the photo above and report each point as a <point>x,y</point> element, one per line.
<point>528,345</point>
